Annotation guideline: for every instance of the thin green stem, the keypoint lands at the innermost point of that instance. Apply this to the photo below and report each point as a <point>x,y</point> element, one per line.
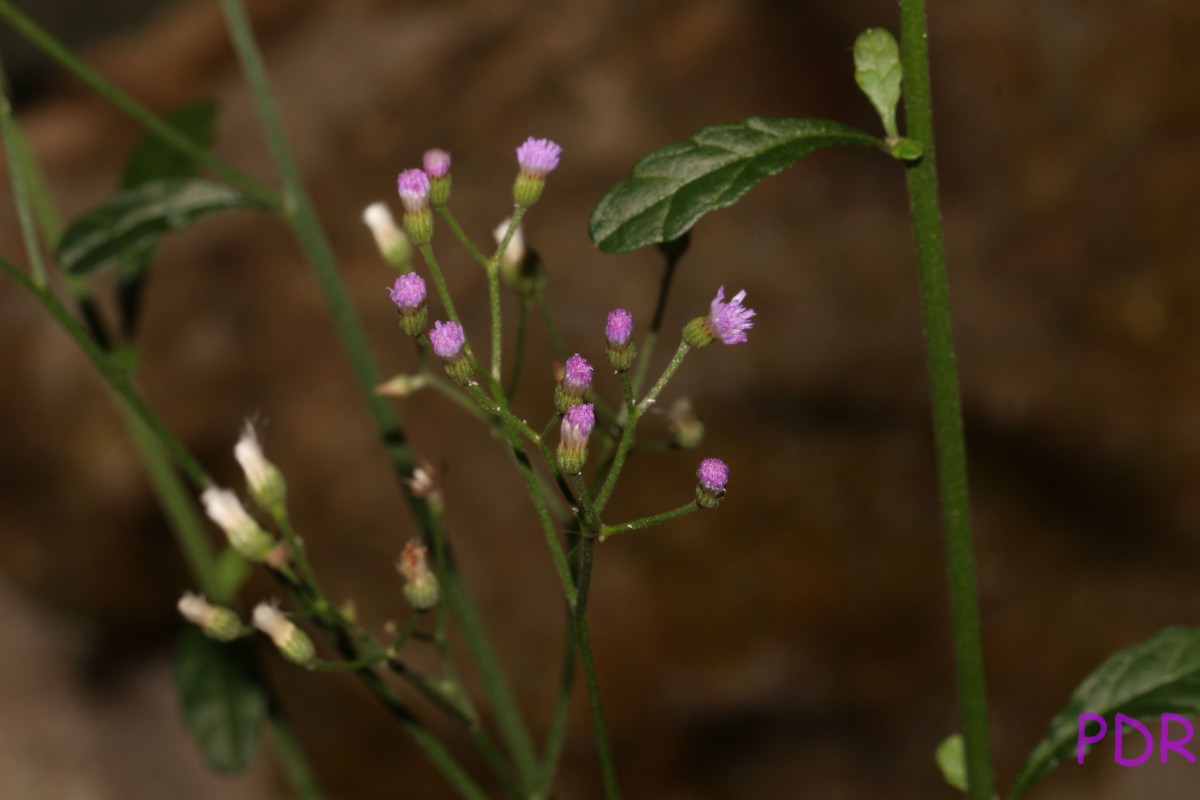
<point>456,229</point>
<point>512,727</point>
<point>947,414</point>
<point>646,522</point>
<point>291,758</point>
<point>660,309</point>
<point>626,442</point>
<point>164,131</point>
<point>114,375</point>
<point>177,503</point>
<point>439,282</point>
<point>493,276</point>
<point>18,171</point>
<point>583,640</point>
<point>303,218</point>
<point>519,356</point>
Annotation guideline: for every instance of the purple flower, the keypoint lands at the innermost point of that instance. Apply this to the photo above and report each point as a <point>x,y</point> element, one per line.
<point>436,163</point>
<point>413,185</point>
<point>713,475</point>
<point>730,321</point>
<point>577,426</point>
<point>538,157</point>
<point>447,339</point>
<point>618,328</point>
<point>577,376</point>
<point>408,292</point>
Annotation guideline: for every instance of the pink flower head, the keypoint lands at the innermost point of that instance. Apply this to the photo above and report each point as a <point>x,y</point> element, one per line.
<point>436,163</point>
<point>577,426</point>
<point>730,321</point>
<point>538,157</point>
<point>577,376</point>
<point>713,475</point>
<point>447,339</point>
<point>413,186</point>
<point>408,292</point>
<point>618,328</point>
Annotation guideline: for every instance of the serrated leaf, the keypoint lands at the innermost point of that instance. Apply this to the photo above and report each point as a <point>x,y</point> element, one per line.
<point>129,220</point>
<point>673,187</point>
<point>155,160</point>
<point>877,72</point>
<point>224,703</point>
<point>1157,676</point>
<point>951,759</point>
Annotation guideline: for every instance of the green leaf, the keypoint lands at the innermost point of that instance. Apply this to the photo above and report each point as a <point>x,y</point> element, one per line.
<point>877,72</point>
<point>224,703</point>
<point>127,222</point>
<point>951,759</point>
<point>1159,675</point>
<point>673,187</point>
<point>155,160</point>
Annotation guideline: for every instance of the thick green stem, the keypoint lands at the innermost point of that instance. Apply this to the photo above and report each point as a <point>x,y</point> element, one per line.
<point>947,414</point>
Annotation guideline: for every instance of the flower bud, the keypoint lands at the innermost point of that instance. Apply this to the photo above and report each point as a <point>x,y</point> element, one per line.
<point>392,243</point>
<point>402,385</point>
<point>263,478</point>
<point>577,377</point>
<point>408,293</point>
<point>683,426</point>
<point>537,158</point>
<point>618,334</point>
<point>413,187</point>
<point>712,476</point>
<point>292,642</point>
<point>520,267</point>
<point>725,321</point>
<point>449,344</point>
<point>217,622</point>
<point>244,534</point>
<point>576,427</point>
<point>420,584</point>
<point>437,167</point>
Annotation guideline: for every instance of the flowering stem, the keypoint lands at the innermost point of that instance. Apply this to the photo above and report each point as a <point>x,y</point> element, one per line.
<point>519,355</point>
<point>456,229</point>
<point>636,414</point>
<point>660,310</point>
<point>439,281</point>
<point>164,131</point>
<point>451,392</point>
<point>493,276</point>
<point>646,522</point>
<point>947,414</point>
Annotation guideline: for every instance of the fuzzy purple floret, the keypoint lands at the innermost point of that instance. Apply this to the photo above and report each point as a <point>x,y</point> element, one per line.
<point>538,157</point>
<point>447,339</point>
<point>730,321</point>
<point>577,375</point>
<point>436,163</point>
<point>713,475</point>
<point>413,186</point>
<point>408,292</point>
<point>619,327</point>
<point>577,425</point>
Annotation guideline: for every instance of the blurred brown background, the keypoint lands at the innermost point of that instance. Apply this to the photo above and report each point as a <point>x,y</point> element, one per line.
<point>796,642</point>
